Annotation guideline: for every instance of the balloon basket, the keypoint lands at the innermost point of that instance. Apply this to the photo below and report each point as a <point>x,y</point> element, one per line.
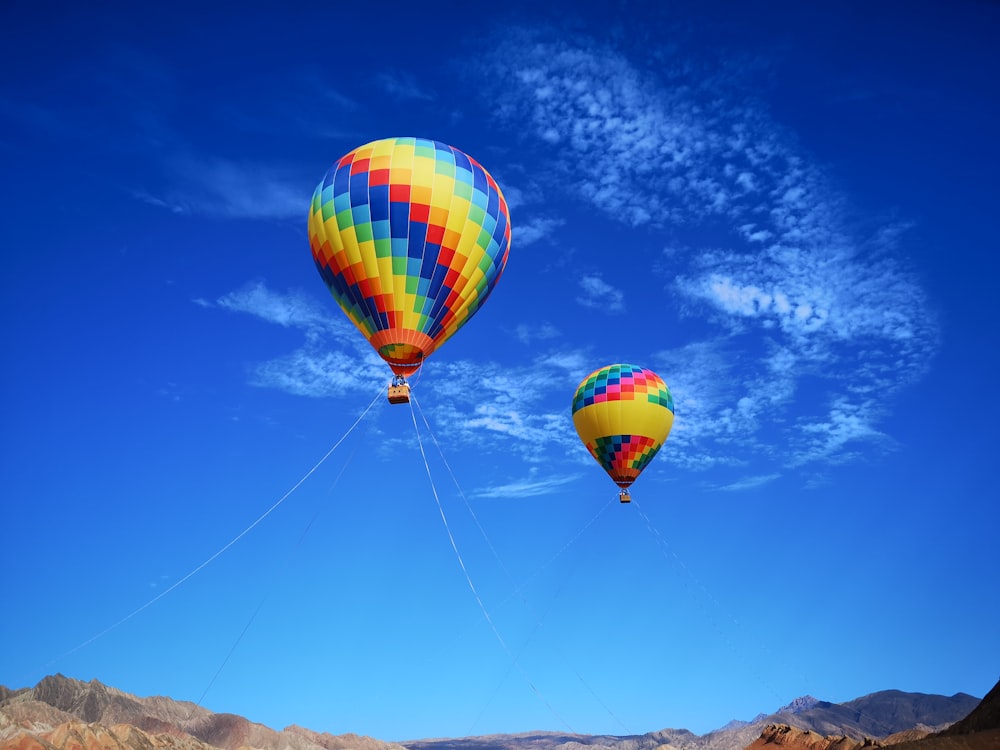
<point>399,394</point>
<point>624,497</point>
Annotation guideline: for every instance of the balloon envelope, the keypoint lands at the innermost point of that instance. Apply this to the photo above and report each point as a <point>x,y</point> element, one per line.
<point>410,236</point>
<point>623,414</point>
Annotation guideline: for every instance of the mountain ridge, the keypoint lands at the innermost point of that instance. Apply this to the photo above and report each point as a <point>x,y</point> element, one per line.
<point>61,713</point>
<point>95,712</point>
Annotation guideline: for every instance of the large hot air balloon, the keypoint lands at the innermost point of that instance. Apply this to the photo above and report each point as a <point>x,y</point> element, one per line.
<point>623,414</point>
<point>410,236</point>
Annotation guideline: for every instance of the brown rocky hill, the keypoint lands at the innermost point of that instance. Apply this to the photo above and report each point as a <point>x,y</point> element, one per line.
<point>65,714</point>
<point>785,737</point>
<point>60,713</point>
<point>76,735</point>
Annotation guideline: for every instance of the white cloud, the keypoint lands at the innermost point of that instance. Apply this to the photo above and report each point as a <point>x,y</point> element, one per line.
<point>791,288</point>
<point>847,424</point>
<point>290,310</point>
<point>529,333</point>
<point>749,483</point>
<point>403,86</point>
<point>795,291</point>
<point>158,202</point>
<point>798,312</point>
<point>533,230</point>
<point>511,409</point>
<point>334,359</point>
<point>321,374</point>
<point>598,294</point>
<point>509,421</point>
<point>235,190</point>
<point>503,408</point>
<point>574,364</point>
<point>526,487</point>
<point>635,146</point>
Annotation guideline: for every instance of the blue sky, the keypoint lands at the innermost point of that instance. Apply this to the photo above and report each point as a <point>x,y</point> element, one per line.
<point>787,213</point>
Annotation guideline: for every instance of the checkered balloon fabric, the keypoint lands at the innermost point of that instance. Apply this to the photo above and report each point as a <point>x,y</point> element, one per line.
<point>410,236</point>
<point>623,414</point>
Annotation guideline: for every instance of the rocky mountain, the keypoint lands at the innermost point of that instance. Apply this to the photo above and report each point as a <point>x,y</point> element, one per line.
<point>878,714</point>
<point>785,737</point>
<point>984,718</point>
<point>875,716</point>
<point>60,713</point>
<point>979,730</point>
<point>799,705</point>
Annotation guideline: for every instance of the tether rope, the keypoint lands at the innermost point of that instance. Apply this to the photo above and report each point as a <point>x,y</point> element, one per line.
<point>468,578</point>
<point>260,605</point>
<point>671,555</point>
<point>221,550</point>
<point>518,588</point>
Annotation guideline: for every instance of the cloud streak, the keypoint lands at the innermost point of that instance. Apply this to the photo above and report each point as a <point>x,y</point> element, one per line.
<point>289,310</point>
<point>332,362</point>
<point>807,321</point>
<point>526,487</point>
<point>597,294</point>
<point>796,289</point>
<point>231,189</point>
<point>749,483</point>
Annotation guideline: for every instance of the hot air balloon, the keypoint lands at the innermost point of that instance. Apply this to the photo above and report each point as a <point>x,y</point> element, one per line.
<point>623,414</point>
<point>411,236</point>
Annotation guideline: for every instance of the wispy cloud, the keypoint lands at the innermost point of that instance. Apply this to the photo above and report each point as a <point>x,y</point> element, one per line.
<point>714,409</point>
<point>138,118</point>
<point>637,147</point>
<point>598,294</point>
<point>291,309</point>
<point>500,408</point>
<point>333,360</point>
<point>403,86</point>
<point>829,290</point>
<point>803,317</point>
<point>231,189</point>
<point>526,487</point>
<point>797,290</point>
<point>839,435</point>
<point>148,198</point>
<point>534,230</point>
<point>529,333</point>
<point>504,408</point>
<point>320,373</point>
<point>749,483</point>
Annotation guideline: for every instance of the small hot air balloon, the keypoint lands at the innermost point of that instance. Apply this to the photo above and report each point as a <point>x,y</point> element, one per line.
<point>623,414</point>
<point>411,236</point>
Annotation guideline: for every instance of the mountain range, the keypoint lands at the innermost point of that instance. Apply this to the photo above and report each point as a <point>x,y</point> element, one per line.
<point>62,713</point>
